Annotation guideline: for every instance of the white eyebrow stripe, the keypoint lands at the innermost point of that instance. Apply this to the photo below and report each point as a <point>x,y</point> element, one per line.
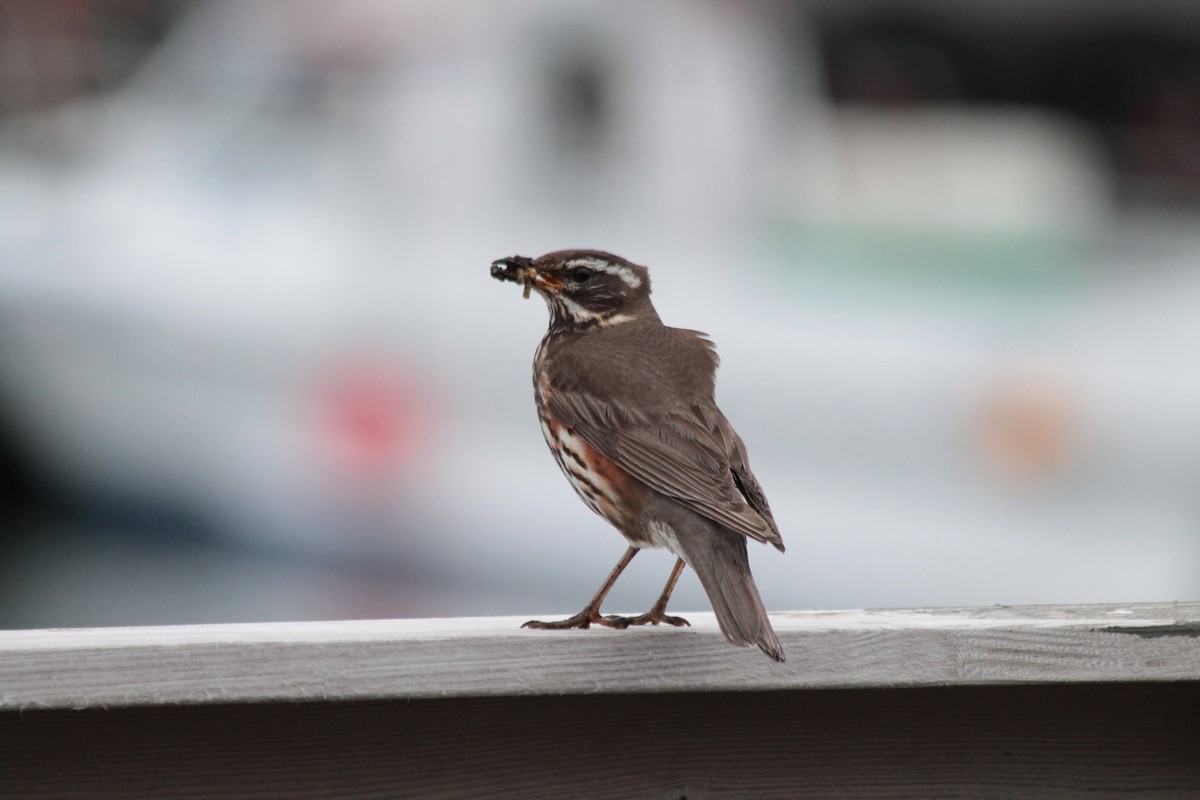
<point>624,273</point>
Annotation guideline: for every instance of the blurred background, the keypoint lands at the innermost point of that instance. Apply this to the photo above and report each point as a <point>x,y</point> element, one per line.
<point>252,366</point>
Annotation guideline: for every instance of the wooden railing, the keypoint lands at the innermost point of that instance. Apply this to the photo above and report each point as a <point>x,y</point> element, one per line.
<point>1062,701</point>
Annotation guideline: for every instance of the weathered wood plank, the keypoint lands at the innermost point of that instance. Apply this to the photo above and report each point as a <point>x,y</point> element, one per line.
<point>1099,741</point>
<point>410,659</point>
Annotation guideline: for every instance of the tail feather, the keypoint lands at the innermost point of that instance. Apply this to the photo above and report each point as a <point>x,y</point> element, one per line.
<point>723,566</point>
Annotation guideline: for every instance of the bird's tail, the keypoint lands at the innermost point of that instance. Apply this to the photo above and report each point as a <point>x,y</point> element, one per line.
<point>723,566</point>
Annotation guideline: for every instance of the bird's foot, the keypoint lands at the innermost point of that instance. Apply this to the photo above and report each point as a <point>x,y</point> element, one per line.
<point>584,619</point>
<point>654,616</point>
<point>590,616</point>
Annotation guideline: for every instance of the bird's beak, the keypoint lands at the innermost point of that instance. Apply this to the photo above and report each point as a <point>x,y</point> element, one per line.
<point>520,269</point>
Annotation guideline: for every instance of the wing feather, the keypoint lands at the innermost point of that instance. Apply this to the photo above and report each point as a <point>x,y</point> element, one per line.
<point>690,454</point>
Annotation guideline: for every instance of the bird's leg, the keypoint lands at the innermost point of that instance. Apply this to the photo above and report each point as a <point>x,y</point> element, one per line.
<point>591,612</point>
<point>658,613</point>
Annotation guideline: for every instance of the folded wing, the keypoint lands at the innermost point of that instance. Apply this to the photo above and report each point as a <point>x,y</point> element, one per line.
<point>690,454</point>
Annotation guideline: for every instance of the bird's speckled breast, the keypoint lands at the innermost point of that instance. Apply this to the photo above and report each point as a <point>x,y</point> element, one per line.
<point>603,486</point>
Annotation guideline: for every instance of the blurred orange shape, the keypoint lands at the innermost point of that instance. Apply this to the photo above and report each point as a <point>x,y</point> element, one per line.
<point>1026,425</point>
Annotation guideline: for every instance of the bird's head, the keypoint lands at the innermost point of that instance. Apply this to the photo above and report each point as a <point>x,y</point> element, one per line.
<point>581,287</point>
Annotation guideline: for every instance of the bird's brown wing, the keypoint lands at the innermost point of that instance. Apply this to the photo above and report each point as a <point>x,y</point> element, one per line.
<point>690,454</point>
<point>747,484</point>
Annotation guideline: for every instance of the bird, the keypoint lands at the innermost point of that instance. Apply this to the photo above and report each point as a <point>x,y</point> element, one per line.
<point>626,405</point>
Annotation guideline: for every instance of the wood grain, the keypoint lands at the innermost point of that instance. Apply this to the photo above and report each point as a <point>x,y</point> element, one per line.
<point>1047,702</point>
<point>412,659</point>
<point>1099,741</point>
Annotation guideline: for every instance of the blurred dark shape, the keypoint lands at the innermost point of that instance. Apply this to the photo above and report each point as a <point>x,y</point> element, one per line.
<point>897,60</point>
<point>1141,87</point>
<point>56,50</point>
<point>1135,79</point>
<point>23,486</point>
<point>580,99</point>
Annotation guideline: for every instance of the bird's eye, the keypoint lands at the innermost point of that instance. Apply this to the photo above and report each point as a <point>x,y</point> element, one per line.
<point>582,274</point>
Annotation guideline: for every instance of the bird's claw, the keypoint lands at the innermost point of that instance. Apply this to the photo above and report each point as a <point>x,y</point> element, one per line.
<point>581,621</point>
<point>649,618</point>
<point>590,616</point>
